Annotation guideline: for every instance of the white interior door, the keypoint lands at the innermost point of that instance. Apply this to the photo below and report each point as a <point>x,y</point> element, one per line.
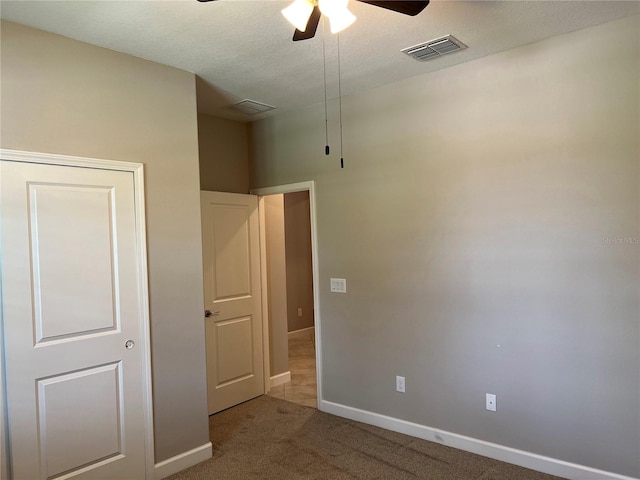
<point>232,296</point>
<point>73,323</point>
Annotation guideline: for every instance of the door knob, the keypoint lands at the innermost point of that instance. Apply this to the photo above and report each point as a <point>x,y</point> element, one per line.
<point>209,313</point>
<point>129,344</point>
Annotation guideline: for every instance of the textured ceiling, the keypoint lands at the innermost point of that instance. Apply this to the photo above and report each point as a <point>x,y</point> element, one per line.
<point>242,48</point>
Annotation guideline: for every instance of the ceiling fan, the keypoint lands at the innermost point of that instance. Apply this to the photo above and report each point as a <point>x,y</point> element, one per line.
<point>305,14</point>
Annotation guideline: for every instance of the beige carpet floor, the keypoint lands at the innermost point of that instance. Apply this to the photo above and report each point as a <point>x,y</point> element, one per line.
<point>268,438</point>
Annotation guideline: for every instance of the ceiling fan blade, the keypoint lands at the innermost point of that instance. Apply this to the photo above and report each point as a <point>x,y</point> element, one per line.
<point>312,26</point>
<point>407,7</point>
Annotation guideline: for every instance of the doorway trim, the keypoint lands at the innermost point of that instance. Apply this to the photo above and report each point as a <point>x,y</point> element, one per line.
<point>308,186</point>
<point>137,169</point>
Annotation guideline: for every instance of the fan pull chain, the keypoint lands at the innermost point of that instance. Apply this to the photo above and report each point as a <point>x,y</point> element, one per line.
<point>340,101</point>
<point>324,65</point>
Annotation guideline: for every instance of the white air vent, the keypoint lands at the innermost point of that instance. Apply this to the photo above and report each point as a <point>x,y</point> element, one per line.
<point>250,107</point>
<point>434,48</point>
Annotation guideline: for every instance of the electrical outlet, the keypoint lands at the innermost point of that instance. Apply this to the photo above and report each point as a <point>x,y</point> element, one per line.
<point>491,402</point>
<point>400,387</point>
<point>299,311</point>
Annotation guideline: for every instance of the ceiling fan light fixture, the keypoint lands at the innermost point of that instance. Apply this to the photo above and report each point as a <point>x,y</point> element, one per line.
<point>339,15</point>
<point>298,13</point>
<point>341,21</point>
<point>329,7</point>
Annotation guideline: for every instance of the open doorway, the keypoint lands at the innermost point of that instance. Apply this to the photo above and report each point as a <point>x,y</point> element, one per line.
<point>287,221</point>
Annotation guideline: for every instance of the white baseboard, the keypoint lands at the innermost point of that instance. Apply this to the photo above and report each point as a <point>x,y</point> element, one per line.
<point>532,461</point>
<point>302,332</point>
<point>280,379</point>
<point>184,460</point>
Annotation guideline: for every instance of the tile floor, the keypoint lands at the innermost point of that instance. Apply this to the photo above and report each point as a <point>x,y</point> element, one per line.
<point>302,388</point>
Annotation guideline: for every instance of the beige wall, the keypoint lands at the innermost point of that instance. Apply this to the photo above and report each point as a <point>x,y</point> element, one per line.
<point>224,157</point>
<point>299,268</point>
<point>476,222</point>
<point>276,283</point>
<point>63,96</point>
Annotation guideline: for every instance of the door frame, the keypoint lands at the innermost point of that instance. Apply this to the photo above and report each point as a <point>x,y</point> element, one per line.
<point>308,186</point>
<point>4,439</point>
<point>137,169</point>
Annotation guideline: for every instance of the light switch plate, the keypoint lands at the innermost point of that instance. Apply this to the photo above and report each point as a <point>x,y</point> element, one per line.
<point>339,285</point>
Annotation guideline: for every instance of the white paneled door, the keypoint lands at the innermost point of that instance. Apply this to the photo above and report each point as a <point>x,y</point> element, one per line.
<point>74,322</point>
<point>232,298</point>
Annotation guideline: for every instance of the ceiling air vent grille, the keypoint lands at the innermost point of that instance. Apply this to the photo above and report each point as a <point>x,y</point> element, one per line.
<point>434,48</point>
<point>251,107</point>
